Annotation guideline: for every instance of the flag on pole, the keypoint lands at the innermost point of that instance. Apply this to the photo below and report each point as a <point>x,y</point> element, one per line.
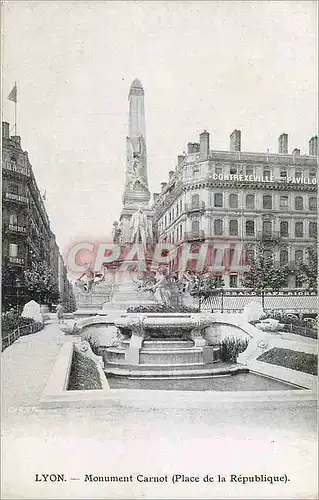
<point>13,94</point>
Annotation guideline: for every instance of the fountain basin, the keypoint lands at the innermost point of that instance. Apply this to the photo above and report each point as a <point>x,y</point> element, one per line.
<point>163,345</point>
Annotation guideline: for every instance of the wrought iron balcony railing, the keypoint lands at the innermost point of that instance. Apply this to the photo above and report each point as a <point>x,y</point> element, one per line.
<point>13,167</point>
<point>194,235</point>
<point>15,228</point>
<point>16,260</point>
<point>16,197</point>
<point>268,235</point>
<point>195,207</point>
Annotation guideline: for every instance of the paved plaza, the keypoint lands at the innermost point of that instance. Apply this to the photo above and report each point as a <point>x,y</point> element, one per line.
<point>273,438</point>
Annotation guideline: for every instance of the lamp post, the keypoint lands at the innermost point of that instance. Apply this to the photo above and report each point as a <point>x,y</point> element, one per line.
<point>18,286</point>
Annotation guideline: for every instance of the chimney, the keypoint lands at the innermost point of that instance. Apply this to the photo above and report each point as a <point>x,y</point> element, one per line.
<point>155,197</point>
<point>193,147</point>
<point>296,151</point>
<point>283,144</point>
<point>235,140</point>
<point>170,175</point>
<point>5,130</point>
<point>313,146</point>
<point>204,144</point>
<point>16,139</point>
<point>180,159</point>
<point>163,185</point>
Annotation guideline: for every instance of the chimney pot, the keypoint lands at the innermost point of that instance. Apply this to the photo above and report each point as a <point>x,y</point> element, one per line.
<point>283,144</point>
<point>5,130</point>
<point>313,146</point>
<point>235,140</point>
<point>204,144</point>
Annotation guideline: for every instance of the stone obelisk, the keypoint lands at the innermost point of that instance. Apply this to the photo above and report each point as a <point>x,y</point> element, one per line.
<point>136,193</point>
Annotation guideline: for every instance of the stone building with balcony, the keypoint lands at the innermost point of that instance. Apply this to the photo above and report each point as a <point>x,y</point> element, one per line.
<point>26,232</point>
<point>237,197</point>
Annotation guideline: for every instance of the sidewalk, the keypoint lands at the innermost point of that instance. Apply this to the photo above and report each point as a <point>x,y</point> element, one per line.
<point>238,438</point>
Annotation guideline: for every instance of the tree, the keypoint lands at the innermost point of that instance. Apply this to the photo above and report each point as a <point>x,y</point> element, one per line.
<point>205,286</point>
<point>41,283</point>
<point>307,272</point>
<point>265,274</point>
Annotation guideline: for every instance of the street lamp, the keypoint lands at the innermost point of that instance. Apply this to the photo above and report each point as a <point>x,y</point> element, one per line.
<point>18,286</point>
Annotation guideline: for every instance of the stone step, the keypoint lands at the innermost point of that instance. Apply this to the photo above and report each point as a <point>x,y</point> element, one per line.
<point>163,344</point>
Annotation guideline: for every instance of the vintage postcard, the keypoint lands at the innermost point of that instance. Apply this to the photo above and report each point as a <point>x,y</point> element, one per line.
<point>159,249</point>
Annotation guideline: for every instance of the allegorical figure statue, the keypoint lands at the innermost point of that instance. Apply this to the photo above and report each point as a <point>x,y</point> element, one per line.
<point>138,225</point>
<point>116,232</point>
<point>162,289</point>
<point>136,164</point>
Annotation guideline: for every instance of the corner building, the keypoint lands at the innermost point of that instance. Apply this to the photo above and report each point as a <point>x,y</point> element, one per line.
<point>239,197</point>
<point>26,233</point>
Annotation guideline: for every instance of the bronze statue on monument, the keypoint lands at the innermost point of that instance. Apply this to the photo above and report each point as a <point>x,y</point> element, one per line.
<point>139,227</point>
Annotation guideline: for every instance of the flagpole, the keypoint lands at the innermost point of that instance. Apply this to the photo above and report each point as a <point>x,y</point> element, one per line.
<point>15,110</point>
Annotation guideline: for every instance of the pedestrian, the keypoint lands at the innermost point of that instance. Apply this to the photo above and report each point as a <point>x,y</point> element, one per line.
<point>59,311</point>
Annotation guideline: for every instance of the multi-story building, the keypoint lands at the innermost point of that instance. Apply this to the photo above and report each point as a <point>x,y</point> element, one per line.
<point>26,233</point>
<point>241,198</point>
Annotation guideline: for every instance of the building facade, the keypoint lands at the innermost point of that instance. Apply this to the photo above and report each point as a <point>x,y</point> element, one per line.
<point>26,232</point>
<point>239,199</point>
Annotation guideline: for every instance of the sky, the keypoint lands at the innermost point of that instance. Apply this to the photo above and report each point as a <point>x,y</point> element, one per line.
<point>204,65</point>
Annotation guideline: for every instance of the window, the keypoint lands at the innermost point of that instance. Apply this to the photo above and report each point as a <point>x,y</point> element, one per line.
<point>177,210</point>
<point>233,279</point>
<point>312,203</point>
<point>195,200</point>
<point>299,203</point>
<point>250,228</point>
<point>283,257</point>
<point>218,170</point>
<point>233,201</point>
<point>268,256</point>
<point>266,174</point>
<point>165,220</point>
<point>299,256</point>
<point>250,255</point>
<point>312,229</point>
<point>233,170</point>
<point>218,199</point>
<point>181,206</point>
<point>13,219</point>
<point>299,229</point>
<point>249,171</point>
<point>284,228</point>
<point>298,282</point>
<point>14,188</point>
<point>195,226</point>
<point>196,171</point>
<point>267,201</point>
<point>250,201</point>
<point>298,175</point>
<point>13,250</point>
<point>283,174</point>
<point>233,227</point>
<point>267,227</point>
<point>283,201</point>
<point>218,227</point>
<point>312,174</point>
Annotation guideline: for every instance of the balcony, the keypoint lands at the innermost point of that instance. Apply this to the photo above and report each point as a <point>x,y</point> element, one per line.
<point>195,207</point>
<point>194,236</point>
<point>16,260</point>
<point>13,167</point>
<point>16,197</point>
<point>270,236</point>
<point>15,228</point>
